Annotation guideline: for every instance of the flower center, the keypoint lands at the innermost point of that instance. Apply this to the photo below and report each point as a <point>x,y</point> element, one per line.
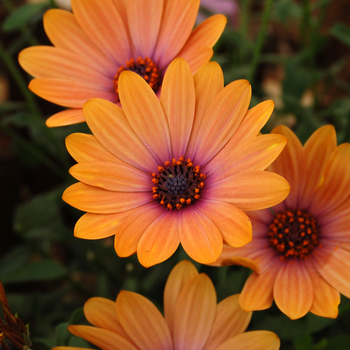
<point>144,67</point>
<point>294,234</point>
<point>177,184</point>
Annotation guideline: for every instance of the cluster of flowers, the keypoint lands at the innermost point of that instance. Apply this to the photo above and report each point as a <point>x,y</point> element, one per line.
<point>176,157</point>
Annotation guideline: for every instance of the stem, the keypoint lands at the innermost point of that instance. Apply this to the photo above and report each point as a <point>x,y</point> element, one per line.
<point>261,38</point>
<point>244,17</point>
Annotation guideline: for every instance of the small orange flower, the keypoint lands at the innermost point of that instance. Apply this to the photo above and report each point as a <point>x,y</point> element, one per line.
<point>300,251</point>
<point>102,38</point>
<point>13,332</point>
<point>192,319</point>
<point>179,169</point>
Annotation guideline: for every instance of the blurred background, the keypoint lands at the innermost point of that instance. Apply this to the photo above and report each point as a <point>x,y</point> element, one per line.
<point>295,52</point>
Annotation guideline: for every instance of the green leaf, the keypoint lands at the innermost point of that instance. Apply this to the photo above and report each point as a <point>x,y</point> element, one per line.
<point>62,334</point>
<point>22,15</point>
<point>341,32</point>
<point>14,260</point>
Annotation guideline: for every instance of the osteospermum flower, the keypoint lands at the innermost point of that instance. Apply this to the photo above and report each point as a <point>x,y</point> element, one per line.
<point>179,169</point>
<point>300,252</point>
<point>192,319</point>
<point>102,38</point>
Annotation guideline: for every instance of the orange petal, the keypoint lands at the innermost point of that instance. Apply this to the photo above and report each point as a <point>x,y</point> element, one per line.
<point>233,224</point>
<point>199,236</point>
<point>110,126</point>
<point>145,115</point>
<point>160,240</point>
<point>208,81</point>
<point>68,93</point>
<point>251,190</point>
<point>86,148</point>
<point>221,120</point>
<point>101,21</point>
<point>68,348</point>
<point>179,276</point>
<point>144,19</point>
<point>97,226</point>
<point>99,201</point>
<point>111,176</point>
<point>197,57</point>
<point>195,313</point>
<point>230,321</point>
<point>177,23</point>
<point>256,340</point>
<point>293,290</point>
<point>333,264</point>
<point>326,298</point>
<point>143,322</point>
<point>67,117</point>
<point>133,227</point>
<point>64,32</point>
<point>102,338</point>
<point>178,101</point>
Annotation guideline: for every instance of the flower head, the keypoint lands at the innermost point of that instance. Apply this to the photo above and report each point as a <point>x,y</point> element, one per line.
<point>300,251</point>
<point>192,319</point>
<point>101,39</point>
<point>179,169</point>
<point>13,332</point>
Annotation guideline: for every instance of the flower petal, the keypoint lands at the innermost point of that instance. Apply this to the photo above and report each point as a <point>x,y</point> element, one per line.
<point>99,201</point>
<point>195,314</point>
<point>67,117</point>
<point>179,276</point>
<point>233,224</point>
<point>199,236</point>
<point>293,290</point>
<point>178,101</point>
<point>160,240</point>
<point>197,57</point>
<point>143,322</point>
<point>230,321</point>
<point>145,115</point>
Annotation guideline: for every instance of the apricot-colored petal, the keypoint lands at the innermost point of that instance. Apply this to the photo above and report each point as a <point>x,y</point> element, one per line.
<point>291,165</point>
<point>334,189</point>
<point>145,115</point>
<point>102,338</point>
<point>142,321</point>
<point>178,101</point>
<point>293,290</point>
<point>255,340</point>
<point>179,276</point>
<point>221,120</point>
<point>177,23</point>
<point>257,293</point>
<point>230,321</point>
<point>208,81</point>
<point>333,264</point>
<point>110,126</point>
<point>251,190</point>
<point>197,57</point>
<point>97,226</point>
<point>99,201</point>
<point>86,148</point>
<point>133,227</point>
<point>68,93</point>
<point>195,314</point>
<point>101,21</point>
<point>144,19</point>
<point>205,34</point>
<point>111,176</point>
<point>51,62</point>
<point>160,240</point>
<point>233,223</point>
<point>199,236</point>
<point>326,298</point>
<point>67,117</point>
<point>65,33</point>
<point>68,348</point>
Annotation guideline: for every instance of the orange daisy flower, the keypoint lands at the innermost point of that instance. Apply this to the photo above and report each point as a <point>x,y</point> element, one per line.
<point>102,38</point>
<point>179,169</point>
<point>192,319</point>
<point>300,253</point>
